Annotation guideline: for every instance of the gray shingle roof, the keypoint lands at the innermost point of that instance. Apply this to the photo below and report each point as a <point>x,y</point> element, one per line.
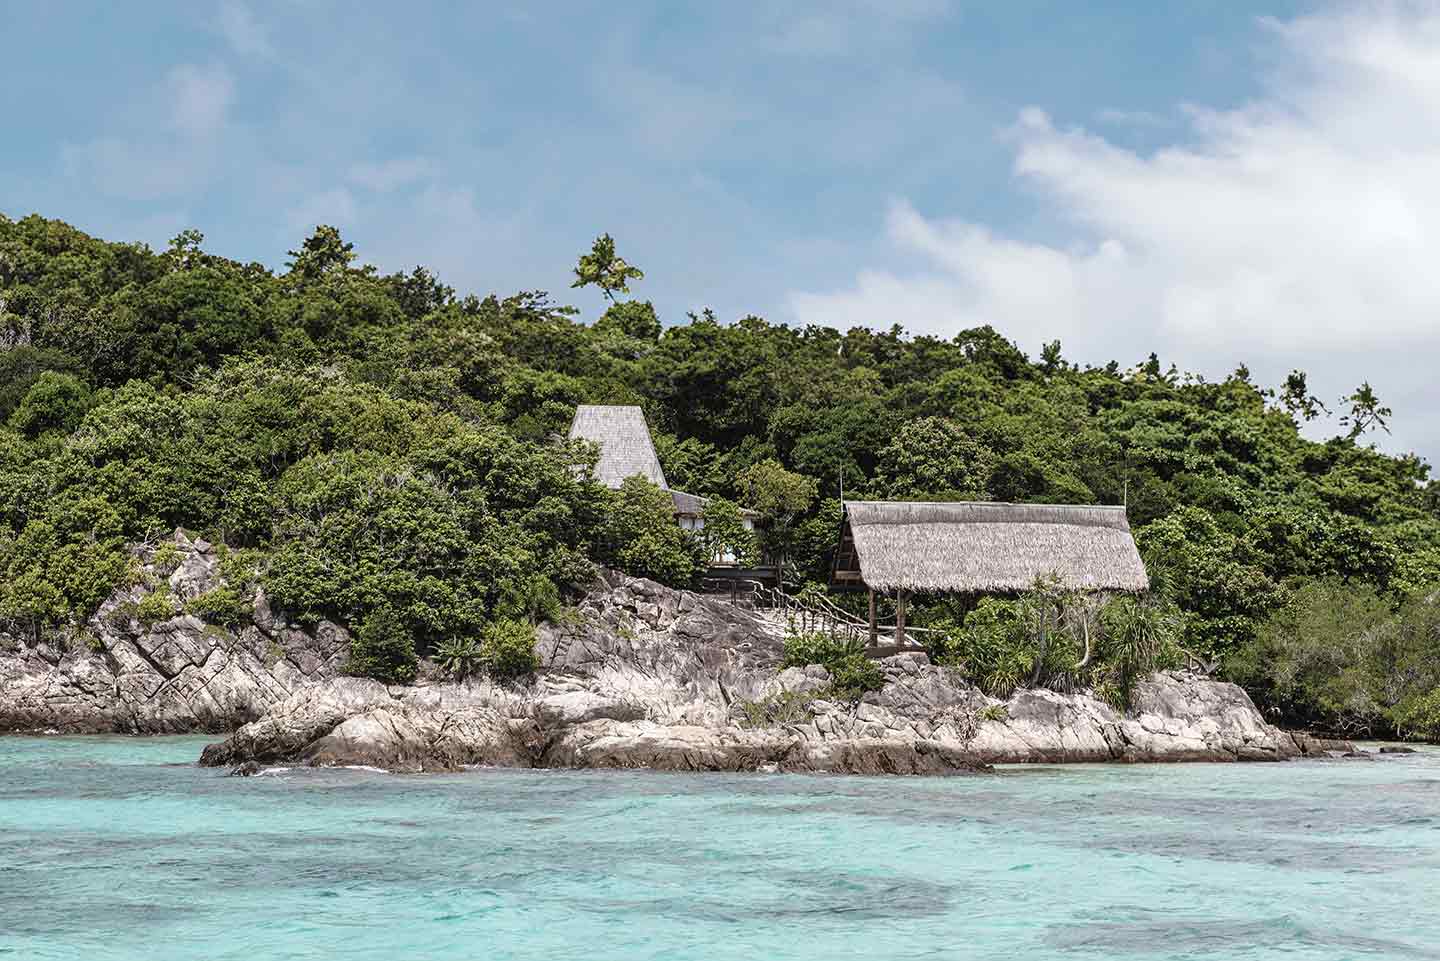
<point>625,445</point>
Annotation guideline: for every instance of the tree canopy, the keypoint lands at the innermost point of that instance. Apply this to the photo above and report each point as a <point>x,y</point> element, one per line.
<point>378,448</point>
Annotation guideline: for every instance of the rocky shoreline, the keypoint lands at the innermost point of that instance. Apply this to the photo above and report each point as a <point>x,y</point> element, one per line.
<point>638,676</point>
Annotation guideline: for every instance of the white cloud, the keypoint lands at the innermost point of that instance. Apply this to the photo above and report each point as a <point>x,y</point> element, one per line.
<point>1299,230</point>
<point>390,174</point>
<point>246,35</point>
<point>200,98</point>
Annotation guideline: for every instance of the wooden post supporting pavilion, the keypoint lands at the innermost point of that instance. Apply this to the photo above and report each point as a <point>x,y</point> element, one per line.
<point>874,624</point>
<point>900,598</point>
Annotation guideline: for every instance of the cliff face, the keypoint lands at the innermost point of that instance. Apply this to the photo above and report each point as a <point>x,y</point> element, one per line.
<point>174,675</point>
<point>649,677</point>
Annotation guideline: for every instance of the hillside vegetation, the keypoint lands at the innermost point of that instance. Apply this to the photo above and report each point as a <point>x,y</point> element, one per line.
<point>378,450</point>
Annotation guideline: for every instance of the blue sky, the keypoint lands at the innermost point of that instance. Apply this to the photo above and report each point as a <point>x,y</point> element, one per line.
<point>1126,176</point>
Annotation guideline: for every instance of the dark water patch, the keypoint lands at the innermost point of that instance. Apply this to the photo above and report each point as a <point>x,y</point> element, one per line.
<point>1191,937</point>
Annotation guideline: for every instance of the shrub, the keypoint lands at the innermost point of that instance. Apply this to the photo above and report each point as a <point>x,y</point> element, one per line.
<point>1136,638</point>
<point>1420,716</point>
<point>802,650</point>
<point>508,649</point>
<point>853,675</point>
<point>383,649</point>
<point>533,599</point>
<point>851,672</point>
<point>1339,656</point>
<point>155,607</point>
<point>787,707</point>
<point>994,712</point>
<point>167,557</point>
<point>994,647</point>
<point>459,657</point>
<point>220,605</point>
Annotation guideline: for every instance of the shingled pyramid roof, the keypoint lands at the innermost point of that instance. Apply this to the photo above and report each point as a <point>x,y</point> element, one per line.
<point>625,445</point>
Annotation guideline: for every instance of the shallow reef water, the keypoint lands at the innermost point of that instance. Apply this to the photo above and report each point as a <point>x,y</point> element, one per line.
<point>121,848</point>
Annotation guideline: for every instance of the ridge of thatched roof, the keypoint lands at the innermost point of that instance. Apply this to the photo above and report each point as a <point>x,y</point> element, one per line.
<point>983,547</point>
<point>624,439</point>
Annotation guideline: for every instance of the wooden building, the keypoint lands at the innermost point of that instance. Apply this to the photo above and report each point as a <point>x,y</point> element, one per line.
<point>908,547</point>
<point>627,450</point>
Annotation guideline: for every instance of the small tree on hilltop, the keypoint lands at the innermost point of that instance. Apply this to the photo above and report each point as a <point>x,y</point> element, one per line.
<point>1366,412</point>
<point>606,269</point>
<point>322,253</point>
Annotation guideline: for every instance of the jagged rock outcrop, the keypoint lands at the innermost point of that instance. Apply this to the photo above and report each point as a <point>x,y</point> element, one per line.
<point>644,676</point>
<point>177,674</point>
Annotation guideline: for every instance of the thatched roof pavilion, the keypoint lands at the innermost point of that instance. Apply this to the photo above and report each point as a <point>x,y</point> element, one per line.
<point>625,445</point>
<point>982,548</point>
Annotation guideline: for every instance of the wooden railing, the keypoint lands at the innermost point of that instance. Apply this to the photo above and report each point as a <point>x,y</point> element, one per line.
<point>818,614</point>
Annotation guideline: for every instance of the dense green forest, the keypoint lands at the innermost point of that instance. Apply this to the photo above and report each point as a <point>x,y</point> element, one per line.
<point>381,451</point>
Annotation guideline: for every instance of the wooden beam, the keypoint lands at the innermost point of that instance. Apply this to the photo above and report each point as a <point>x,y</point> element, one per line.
<point>874,624</point>
<point>900,599</point>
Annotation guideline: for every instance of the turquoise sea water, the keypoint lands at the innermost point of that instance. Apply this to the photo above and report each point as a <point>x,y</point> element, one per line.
<point>118,848</point>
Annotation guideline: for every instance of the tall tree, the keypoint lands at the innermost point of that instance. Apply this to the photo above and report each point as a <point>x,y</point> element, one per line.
<point>1296,398</point>
<point>606,269</point>
<point>1366,412</point>
<point>779,496</point>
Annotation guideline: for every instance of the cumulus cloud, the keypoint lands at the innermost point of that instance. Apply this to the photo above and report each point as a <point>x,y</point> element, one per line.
<point>1301,229</point>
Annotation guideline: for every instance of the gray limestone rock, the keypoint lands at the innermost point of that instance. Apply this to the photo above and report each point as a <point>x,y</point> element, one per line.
<point>648,677</point>
<point>177,675</point>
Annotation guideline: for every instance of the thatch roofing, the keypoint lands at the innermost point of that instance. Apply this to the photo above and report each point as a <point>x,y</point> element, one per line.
<point>986,547</point>
<point>624,439</point>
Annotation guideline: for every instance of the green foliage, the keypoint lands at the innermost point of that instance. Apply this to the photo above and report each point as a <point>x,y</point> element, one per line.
<point>725,533</point>
<point>531,599</point>
<point>361,441</point>
<point>220,605</point>
<point>507,649</point>
<point>54,402</point>
<point>1344,658</point>
<point>852,674</point>
<point>802,650</point>
<point>1040,638</point>
<point>159,605</point>
<point>642,539</point>
<point>1137,637</point>
<point>1200,567</point>
<point>166,557</point>
<point>1419,716</point>
<point>780,496</point>
<point>383,649</point>
<point>459,657</point>
<point>994,712</point>
<point>994,648</point>
<point>777,710</point>
<point>1366,412</point>
<point>605,269</point>
<point>934,459</point>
